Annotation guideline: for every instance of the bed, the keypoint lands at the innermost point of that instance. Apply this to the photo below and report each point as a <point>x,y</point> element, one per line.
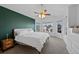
<point>31,38</point>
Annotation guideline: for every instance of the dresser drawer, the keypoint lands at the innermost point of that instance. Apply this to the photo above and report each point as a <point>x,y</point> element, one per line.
<point>7,43</point>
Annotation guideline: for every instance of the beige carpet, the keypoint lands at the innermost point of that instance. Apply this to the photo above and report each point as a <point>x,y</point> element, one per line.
<point>53,46</point>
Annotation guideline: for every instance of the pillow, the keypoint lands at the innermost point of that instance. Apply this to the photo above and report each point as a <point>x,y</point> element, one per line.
<point>29,30</point>
<point>18,31</point>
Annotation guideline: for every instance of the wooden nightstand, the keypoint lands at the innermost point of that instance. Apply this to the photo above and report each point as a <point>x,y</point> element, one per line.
<point>7,43</point>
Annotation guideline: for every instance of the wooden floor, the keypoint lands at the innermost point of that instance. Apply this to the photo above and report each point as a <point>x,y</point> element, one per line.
<point>53,46</point>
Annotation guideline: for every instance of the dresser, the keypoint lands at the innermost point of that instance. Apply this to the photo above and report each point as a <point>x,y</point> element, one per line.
<point>7,43</point>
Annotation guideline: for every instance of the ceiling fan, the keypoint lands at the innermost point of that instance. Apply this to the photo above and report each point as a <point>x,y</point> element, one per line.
<point>42,13</point>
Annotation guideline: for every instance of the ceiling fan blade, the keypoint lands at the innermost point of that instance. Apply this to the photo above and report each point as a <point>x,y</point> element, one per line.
<point>36,12</point>
<point>47,14</point>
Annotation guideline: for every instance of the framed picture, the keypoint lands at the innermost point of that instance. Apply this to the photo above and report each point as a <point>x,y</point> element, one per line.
<point>59,26</point>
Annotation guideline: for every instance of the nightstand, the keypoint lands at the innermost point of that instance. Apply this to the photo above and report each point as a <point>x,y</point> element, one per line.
<point>7,43</point>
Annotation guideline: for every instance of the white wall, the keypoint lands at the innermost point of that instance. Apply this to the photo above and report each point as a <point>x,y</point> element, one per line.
<point>72,15</point>
<point>77,15</point>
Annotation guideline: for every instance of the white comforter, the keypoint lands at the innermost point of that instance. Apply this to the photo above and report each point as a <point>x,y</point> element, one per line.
<point>34,39</point>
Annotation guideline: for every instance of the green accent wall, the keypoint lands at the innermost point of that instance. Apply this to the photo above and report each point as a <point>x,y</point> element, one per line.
<point>11,20</point>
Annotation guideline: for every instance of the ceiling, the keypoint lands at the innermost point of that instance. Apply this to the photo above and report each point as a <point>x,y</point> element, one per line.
<point>57,11</point>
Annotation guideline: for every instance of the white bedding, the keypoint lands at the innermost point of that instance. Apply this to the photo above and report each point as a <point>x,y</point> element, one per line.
<point>34,39</point>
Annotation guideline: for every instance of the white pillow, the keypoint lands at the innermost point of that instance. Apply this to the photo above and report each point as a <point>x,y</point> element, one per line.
<point>18,31</point>
<point>29,30</point>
